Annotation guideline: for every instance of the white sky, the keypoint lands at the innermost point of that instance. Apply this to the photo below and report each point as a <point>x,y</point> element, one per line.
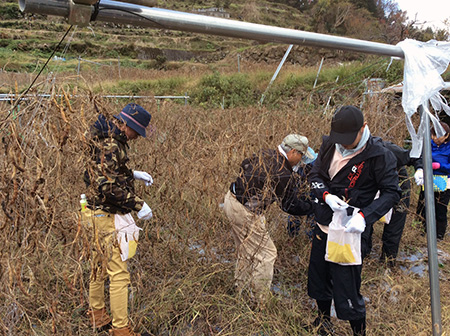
<point>434,12</point>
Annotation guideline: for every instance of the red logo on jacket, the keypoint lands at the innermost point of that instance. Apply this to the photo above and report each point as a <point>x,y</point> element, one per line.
<point>354,175</point>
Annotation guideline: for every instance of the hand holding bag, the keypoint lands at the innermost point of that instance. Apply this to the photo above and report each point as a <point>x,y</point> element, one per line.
<point>343,247</point>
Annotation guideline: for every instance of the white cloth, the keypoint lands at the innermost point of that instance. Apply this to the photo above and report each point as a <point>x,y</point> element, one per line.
<point>422,81</point>
<point>127,235</point>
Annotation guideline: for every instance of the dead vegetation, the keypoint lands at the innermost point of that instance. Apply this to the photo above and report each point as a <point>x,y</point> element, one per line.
<point>182,275</point>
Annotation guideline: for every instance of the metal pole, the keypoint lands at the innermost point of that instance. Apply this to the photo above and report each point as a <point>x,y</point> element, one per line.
<point>431,227</point>
<point>118,65</point>
<point>239,62</point>
<point>79,64</point>
<point>318,72</point>
<point>286,54</point>
<point>125,13</point>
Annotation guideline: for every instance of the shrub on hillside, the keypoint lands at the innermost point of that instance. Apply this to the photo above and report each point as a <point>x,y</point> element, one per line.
<point>224,90</point>
<point>10,11</point>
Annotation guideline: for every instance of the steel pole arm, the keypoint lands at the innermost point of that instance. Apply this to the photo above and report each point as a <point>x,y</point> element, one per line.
<point>127,13</point>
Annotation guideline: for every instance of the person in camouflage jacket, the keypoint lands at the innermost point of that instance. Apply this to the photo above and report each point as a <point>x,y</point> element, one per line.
<point>111,199</point>
<point>111,182</point>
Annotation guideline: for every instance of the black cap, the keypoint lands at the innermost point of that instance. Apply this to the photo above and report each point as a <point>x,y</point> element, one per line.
<point>346,123</point>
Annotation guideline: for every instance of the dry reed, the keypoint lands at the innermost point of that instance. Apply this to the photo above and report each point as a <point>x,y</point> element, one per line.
<point>182,275</point>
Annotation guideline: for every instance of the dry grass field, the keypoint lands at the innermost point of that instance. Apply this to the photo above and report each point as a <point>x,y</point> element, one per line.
<point>182,275</point>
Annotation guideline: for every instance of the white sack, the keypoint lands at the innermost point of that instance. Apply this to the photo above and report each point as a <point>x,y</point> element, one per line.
<point>127,235</point>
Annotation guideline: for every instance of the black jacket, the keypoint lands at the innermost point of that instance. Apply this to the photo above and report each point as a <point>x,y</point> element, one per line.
<point>403,156</point>
<point>267,177</point>
<point>374,169</point>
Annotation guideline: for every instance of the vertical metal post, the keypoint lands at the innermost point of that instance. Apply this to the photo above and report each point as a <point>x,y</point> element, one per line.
<point>118,64</point>
<point>433,268</point>
<point>286,54</point>
<point>318,72</point>
<point>79,63</point>
<point>239,62</point>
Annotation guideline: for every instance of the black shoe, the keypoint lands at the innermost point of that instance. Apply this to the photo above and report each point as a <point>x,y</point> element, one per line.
<point>387,260</point>
<point>323,327</point>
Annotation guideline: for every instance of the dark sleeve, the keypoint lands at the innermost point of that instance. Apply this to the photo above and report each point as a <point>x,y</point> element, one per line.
<point>295,201</point>
<point>401,155</point>
<point>385,173</point>
<point>417,163</point>
<point>317,182</point>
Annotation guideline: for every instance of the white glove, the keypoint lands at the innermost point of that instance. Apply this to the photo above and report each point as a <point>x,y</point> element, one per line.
<point>146,177</point>
<point>356,224</point>
<point>145,213</point>
<point>418,176</point>
<point>335,203</point>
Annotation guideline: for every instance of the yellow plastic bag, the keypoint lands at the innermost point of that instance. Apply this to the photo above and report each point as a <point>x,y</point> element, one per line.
<point>343,247</point>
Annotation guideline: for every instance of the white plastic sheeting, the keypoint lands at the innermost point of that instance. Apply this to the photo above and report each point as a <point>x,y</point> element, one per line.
<point>424,64</point>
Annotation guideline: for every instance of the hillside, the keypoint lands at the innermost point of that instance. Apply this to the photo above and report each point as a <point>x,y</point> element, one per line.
<point>27,39</point>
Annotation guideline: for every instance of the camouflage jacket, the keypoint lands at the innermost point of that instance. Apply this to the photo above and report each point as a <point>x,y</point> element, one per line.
<point>110,182</point>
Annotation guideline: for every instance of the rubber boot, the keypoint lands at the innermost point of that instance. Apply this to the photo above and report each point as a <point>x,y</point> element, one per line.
<point>358,327</point>
<point>323,321</point>
<point>125,331</point>
<point>99,318</point>
<point>441,227</point>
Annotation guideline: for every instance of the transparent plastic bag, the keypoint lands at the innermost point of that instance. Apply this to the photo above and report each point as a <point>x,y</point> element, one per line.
<point>422,81</point>
<point>343,247</point>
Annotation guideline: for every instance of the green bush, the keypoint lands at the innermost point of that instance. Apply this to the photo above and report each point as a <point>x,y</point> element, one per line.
<point>160,87</point>
<point>10,11</point>
<point>224,90</point>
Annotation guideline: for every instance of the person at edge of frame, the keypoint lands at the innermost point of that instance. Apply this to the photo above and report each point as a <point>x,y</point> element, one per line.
<point>264,178</point>
<point>440,153</point>
<point>393,229</point>
<point>111,197</point>
<point>351,167</point>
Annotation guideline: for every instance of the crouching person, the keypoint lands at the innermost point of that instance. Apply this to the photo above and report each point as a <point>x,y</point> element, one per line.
<point>264,178</point>
<point>350,168</point>
<point>111,199</point>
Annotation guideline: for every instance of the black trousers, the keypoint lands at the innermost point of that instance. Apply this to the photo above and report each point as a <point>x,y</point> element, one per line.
<point>327,280</point>
<point>441,199</point>
<point>392,232</point>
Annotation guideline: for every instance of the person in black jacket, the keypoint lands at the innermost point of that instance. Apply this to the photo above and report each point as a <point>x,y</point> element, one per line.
<point>352,166</point>
<point>264,178</point>
<point>393,229</point>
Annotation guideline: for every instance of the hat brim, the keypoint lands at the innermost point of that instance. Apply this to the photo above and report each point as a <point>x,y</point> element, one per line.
<point>130,123</point>
<point>343,138</point>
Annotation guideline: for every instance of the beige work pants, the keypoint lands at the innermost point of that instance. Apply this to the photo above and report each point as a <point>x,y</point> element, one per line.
<point>106,261</point>
<point>256,252</point>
